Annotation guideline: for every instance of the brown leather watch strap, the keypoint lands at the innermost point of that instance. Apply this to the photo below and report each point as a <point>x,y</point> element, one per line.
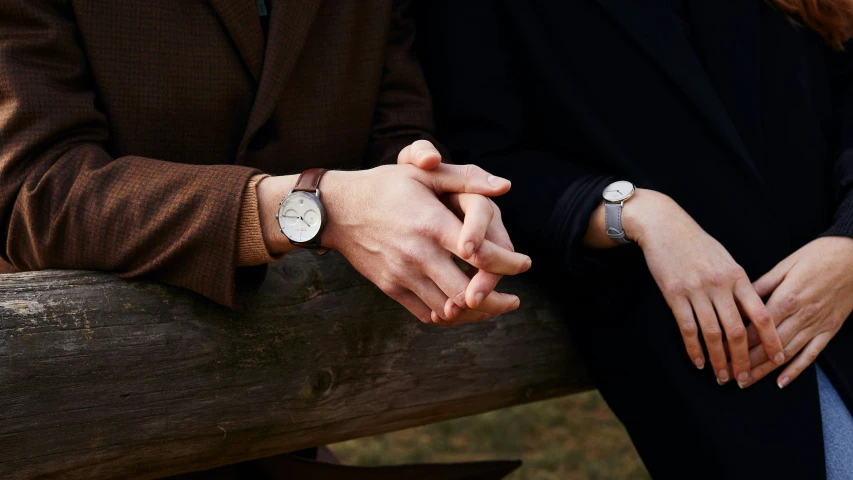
<point>309,181</point>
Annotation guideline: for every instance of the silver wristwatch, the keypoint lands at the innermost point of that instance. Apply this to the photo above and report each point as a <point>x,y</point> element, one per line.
<point>301,216</point>
<point>615,195</point>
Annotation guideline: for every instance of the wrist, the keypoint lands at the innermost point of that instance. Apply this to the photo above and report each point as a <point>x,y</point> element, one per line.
<point>643,210</point>
<point>270,191</point>
<point>336,192</point>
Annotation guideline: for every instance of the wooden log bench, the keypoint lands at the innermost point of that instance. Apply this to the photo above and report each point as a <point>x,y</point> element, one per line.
<point>102,377</point>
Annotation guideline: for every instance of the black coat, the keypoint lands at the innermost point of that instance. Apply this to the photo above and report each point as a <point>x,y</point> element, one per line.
<point>743,118</point>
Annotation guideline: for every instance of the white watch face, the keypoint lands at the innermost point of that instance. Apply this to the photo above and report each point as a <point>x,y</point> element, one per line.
<point>618,191</point>
<point>300,216</point>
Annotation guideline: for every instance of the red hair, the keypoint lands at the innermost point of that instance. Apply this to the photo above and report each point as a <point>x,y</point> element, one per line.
<point>832,19</point>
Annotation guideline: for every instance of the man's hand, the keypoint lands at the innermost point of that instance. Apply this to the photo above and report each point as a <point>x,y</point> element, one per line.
<point>811,296</point>
<point>482,220</point>
<point>391,226</point>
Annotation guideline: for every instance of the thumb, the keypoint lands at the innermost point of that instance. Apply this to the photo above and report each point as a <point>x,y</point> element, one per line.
<point>421,154</point>
<point>771,280</point>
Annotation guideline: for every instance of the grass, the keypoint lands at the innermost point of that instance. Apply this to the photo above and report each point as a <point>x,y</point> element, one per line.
<point>574,437</point>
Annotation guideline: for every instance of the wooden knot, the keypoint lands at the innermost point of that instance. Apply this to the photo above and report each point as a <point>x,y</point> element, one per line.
<point>321,382</point>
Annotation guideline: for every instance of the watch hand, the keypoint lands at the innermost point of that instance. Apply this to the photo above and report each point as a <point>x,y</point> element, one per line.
<point>306,222</point>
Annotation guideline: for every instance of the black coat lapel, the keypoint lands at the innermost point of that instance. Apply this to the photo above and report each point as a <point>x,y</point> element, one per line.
<point>658,37</point>
<point>727,38</point>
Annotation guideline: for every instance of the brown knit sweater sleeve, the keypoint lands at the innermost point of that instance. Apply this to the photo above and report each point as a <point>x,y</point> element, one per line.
<point>251,249</point>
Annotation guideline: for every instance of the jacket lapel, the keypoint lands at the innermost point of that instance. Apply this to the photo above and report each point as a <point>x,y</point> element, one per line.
<point>290,22</point>
<point>657,35</point>
<point>240,18</point>
<point>727,37</point>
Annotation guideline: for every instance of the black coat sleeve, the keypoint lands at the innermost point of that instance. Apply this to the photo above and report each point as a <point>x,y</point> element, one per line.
<point>473,70</point>
<point>840,67</point>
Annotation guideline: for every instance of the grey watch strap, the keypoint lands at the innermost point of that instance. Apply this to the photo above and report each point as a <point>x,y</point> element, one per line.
<point>613,222</point>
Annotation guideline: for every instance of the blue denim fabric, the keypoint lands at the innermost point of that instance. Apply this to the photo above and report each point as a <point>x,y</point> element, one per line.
<point>837,431</point>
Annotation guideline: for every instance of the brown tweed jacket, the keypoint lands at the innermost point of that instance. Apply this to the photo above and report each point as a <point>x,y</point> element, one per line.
<point>129,129</point>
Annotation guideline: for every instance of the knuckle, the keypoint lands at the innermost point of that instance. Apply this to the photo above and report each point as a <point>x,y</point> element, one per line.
<point>717,278</point>
<point>737,333</point>
<point>481,260</point>
<point>408,257</point>
<point>470,171</point>
<point>389,287</point>
<point>811,355</point>
<point>761,317</point>
<point>677,287</point>
<point>689,329</point>
<point>424,229</point>
<point>713,334</point>
<point>790,302</point>
<point>693,284</point>
<point>809,311</point>
<point>789,351</point>
<point>735,273</point>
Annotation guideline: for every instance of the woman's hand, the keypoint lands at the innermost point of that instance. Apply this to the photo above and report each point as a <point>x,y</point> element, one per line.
<point>811,296</point>
<point>482,221</point>
<point>391,226</point>
<point>697,276</point>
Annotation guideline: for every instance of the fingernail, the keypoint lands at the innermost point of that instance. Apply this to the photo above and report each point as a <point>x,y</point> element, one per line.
<point>422,153</point>
<point>779,358</point>
<point>497,182</point>
<point>742,379</point>
<point>469,248</point>
<point>527,264</point>
<point>783,382</point>
<point>516,304</point>
<point>478,297</point>
<point>723,376</point>
<point>459,300</point>
<point>700,362</point>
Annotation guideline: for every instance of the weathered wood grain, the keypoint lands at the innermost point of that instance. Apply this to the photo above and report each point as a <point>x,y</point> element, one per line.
<point>101,377</point>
